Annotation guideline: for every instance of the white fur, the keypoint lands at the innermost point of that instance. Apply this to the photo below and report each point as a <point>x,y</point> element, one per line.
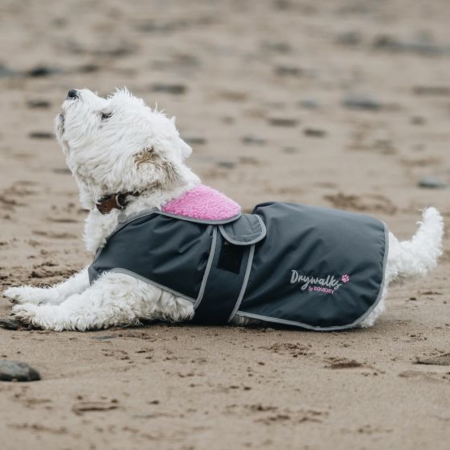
<point>103,154</point>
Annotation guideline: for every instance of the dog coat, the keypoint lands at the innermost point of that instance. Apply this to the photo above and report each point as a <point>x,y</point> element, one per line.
<point>309,267</point>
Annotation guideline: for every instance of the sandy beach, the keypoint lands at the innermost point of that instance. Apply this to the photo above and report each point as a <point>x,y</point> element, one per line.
<point>341,104</point>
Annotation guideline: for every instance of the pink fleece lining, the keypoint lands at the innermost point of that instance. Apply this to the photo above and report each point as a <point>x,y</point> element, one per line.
<point>203,203</point>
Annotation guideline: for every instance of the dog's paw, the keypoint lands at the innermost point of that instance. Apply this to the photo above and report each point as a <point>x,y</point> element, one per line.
<point>26,294</point>
<point>39,317</point>
<point>26,313</point>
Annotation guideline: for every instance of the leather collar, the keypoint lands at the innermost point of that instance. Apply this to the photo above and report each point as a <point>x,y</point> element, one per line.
<point>113,201</point>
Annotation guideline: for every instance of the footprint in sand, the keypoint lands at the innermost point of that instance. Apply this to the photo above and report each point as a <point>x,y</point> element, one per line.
<point>439,360</point>
<point>431,377</point>
<point>345,363</point>
<point>54,234</point>
<point>87,406</point>
<point>287,348</point>
<point>369,202</point>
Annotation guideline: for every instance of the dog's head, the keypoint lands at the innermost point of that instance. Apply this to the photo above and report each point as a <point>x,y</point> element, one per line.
<point>118,144</point>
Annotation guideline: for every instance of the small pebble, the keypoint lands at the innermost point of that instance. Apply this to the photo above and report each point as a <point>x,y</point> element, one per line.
<point>314,132</point>
<point>43,71</point>
<point>9,324</point>
<point>361,102</point>
<point>38,104</point>
<point>431,182</point>
<point>226,164</point>
<point>62,170</point>
<point>40,135</point>
<point>175,89</point>
<point>420,45</point>
<point>17,371</point>
<point>283,122</point>
<point>194,140</point>
<point>252,139</point>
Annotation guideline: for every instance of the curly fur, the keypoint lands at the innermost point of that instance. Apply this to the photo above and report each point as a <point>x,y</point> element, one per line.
<point>118,144</point>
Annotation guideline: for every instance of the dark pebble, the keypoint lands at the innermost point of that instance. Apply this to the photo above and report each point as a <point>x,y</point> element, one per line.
<point>38,104</point>
<point>431,182</point>
<point>17,371</point>
<point>41,135</point>
<point>62,170</point>
<point>9,324</point>
<point>283,122</point>
<point>175,89</point>
<point>314,132</point>
<point>193,140</point>
<point>420,45</point>
<point>43,71</point>
<point>226,164</point>
<point>255,140</point>
<point>361,102</point>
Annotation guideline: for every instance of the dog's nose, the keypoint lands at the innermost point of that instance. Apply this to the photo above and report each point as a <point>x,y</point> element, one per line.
<point>73,93</point>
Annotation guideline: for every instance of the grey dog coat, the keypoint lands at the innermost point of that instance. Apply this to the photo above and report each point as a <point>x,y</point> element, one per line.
<point>309,267</point>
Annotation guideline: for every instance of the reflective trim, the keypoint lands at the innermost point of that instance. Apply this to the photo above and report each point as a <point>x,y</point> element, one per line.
<point>244,283</point>
<point>212,251</point>
<point>205,221</point>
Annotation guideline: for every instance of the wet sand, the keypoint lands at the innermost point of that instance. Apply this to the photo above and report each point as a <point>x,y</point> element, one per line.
<point>342,104</point>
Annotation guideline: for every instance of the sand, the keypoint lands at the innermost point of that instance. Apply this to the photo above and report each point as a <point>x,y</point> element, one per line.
<point>265,92</point>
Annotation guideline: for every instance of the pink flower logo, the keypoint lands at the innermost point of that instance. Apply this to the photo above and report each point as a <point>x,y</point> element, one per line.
<point>345,278</point>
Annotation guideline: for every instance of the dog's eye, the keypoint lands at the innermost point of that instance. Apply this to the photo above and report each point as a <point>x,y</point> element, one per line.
<point>106,116</point>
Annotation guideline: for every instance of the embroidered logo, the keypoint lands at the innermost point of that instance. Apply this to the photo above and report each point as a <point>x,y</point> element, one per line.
<point>328,285</point>
<point>345,278</point>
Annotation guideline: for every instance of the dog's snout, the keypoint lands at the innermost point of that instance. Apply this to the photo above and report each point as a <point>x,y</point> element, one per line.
<point>73,93</point>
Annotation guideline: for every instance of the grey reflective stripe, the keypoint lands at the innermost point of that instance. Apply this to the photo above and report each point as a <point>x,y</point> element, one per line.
<point>244,284</point>
<point>179,294</point>
<point>204,221</point>
<point>208,268</point>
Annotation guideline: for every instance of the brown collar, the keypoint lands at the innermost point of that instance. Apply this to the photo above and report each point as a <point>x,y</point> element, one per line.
<point>113,201</point>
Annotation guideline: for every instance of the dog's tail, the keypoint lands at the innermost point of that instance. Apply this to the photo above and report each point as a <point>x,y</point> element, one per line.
<point>419,255</point>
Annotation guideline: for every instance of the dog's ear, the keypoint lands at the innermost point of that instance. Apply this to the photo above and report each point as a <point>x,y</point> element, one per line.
<point>156,170</point>
<point>186,150</point>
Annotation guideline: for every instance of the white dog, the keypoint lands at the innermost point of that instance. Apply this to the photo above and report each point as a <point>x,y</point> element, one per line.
<point>119,145</point>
